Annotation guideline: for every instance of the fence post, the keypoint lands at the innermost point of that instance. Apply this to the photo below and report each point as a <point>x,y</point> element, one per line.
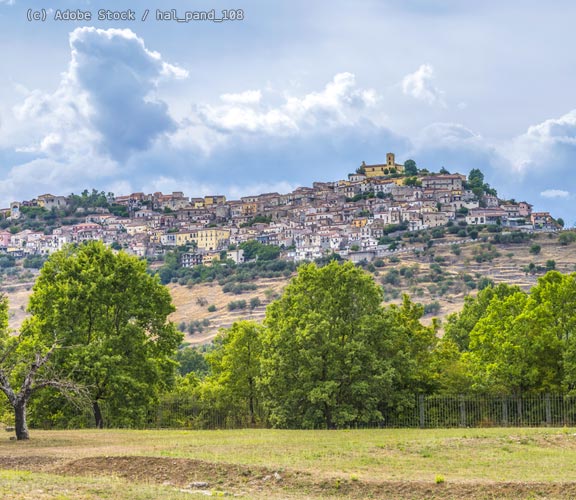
<point>505,411</point>
<point>548,410</point>
<point>462,411</point>
<point>421,408</point>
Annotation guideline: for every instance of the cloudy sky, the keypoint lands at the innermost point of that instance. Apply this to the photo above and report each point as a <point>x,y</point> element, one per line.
<point>297,91</point>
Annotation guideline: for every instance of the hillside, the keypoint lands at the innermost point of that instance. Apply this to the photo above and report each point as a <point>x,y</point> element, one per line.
<point>435,275</point>
<point>440,277</point>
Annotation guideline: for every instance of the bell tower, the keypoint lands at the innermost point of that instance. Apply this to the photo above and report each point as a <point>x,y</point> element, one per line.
<point>390,160</point>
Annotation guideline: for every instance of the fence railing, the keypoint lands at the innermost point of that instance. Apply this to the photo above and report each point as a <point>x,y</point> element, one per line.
<point>553,410</point>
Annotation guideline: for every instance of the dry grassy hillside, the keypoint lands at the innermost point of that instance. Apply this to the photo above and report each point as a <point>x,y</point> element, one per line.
<point>446,273</point>
<point>507,267</point>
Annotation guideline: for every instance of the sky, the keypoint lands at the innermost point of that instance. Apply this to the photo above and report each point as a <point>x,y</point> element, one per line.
<point>288,93</point>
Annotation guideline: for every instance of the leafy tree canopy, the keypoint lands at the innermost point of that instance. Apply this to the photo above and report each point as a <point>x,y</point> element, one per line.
<point>112,318</point>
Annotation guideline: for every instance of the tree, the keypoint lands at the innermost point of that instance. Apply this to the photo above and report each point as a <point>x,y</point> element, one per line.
<point>235,363</point>
<point>410,167</point>
<point>511,351</point>
<point>23,368</point>
<point>535,249</point>
<point>111,317</point>
<point>459,325</point>
<point>190,360</point>
<point>326,349</point>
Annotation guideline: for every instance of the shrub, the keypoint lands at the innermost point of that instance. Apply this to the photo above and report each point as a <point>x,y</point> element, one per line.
<point>432,308</point>
<point>566,238</point>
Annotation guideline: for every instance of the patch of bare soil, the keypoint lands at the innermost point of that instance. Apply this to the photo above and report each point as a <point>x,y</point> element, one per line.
<point>245,480</point>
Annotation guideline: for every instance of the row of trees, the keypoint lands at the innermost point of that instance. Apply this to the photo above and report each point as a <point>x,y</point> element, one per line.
<point>328,353</point>
<point>509,341</point>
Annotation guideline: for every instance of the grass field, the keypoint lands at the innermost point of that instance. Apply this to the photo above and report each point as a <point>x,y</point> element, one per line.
<point>273,464</point>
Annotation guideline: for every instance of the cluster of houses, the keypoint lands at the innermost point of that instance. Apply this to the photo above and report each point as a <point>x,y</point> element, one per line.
<point>347,217</point>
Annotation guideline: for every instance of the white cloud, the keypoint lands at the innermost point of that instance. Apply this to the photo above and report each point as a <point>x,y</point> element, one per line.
<point>103,111</point>
<point>420,85</point>
<point>550,145</point>
<point>447,135</point>
<point>555,130</point>
<point>247,97</point>
<point>555,193</point>
<point>105,103</point>
<point>341,102</point>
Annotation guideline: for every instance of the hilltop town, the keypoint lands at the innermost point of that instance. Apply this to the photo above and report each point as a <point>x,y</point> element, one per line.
<point>353,217</point>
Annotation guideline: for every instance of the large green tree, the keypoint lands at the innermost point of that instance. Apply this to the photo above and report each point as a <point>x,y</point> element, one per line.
<point>328,350</point>
<point>111,317</point>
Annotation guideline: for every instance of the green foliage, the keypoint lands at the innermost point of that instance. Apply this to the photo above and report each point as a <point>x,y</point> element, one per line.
<point>567,237</point>
<point>485,252</point>
<point>191,360</point>
<point>111,317</point>
<point>485,282</point>
<point>332,356</point>
<point>33,262</point>
<point>238,288</point>
<point>410,167</point>
<point>535,249</point>
<point>516,237</point>
<point>476,184</point>
<point>119,210</point>
<point>235,365</point>
<point>255,250</point>
<point>7,261</point>
<point>236,304</point>
<point>459,325</point>
<point>432,308</point>
<point>510,352</point>
<point>88,200</point>
<point>412,181</point>
<point>33,212</point>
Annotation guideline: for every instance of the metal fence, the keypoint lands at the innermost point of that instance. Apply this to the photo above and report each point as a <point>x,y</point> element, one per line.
<point>553,410</point>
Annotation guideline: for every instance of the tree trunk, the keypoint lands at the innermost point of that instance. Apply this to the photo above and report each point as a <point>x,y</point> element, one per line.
<point>20,420</point>
<point>98,415</point>
<point>251,401</point>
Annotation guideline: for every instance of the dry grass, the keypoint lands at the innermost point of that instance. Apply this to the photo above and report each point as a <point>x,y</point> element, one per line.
<point>504,268</point>
<point>475,463</point>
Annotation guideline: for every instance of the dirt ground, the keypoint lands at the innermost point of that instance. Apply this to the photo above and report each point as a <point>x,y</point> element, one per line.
<point>245,481</point>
